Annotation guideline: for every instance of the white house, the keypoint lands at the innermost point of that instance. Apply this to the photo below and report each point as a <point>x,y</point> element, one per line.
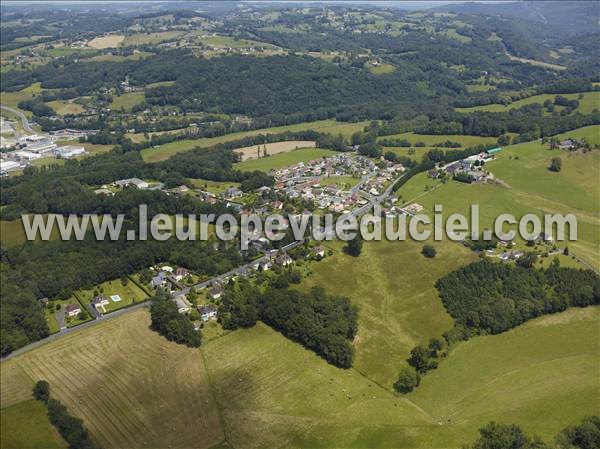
<point>208,311</point>
<point>182,305</point>
<point>72,310</point>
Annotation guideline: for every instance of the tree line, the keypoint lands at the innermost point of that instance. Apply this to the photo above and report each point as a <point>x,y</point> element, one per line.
<point>323,323</point>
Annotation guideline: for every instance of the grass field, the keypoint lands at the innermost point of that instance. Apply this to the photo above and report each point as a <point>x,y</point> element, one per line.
<point>325,126</point>
<point>215,187</point>
<point>129,294</point>
<point>12,233</point>
<point>25,426</point>
<point>589,102</point>
<point>283,159</point>
<point>131,387</point>
<point>111,41</point>
<point>532,188</point>
<point>431,140</point>
<point>65,107</point>
<point>393,284</point>
<point>381,69</point>
<point>150,38</point>
<point>127,101</point>
<point>541,375</point>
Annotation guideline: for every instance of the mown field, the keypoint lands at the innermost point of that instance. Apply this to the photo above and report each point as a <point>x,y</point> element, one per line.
<point>589,102</point>
<point>256,151</point>
<point>281,160</point>
<point>111,41</point>
<point>131,387</point>
<point>65,107</point>
<point>127,101</point>
<point>254,388</point>
<point>325,126</point>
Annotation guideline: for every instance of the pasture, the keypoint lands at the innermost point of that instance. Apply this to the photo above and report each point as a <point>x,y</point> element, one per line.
<point>283,159</point>
<point>324,126</point>
<point>110,41</point>
<point>431,140</point>
<point>255,151</point>
<point>542,375</point>
<point>528,187</point>
<point>393,285</point>
<point>381,69</point>
<point>131,387</point>
<point>127,101</point>
<point>150,38</point>
<point>215,187</point>
<point>589,102</point>
<point>25,426</point>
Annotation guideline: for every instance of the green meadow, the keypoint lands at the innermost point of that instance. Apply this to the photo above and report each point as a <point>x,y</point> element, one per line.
<point>127,101</point>
<point>325,126</point>
<point>281,160</point>
<point>393,285</point>
<point>527,186</point>
<point>589,102</point>
<point>431,140</point>
<point>25,426</point>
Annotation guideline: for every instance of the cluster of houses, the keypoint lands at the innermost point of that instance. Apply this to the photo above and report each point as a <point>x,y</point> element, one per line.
<point>472,167</point>
<point>304,181</point>
<point>571,144</point>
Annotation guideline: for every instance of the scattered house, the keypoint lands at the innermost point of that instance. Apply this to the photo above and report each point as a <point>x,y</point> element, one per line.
<point>216,292</point>
<point>183,306</point>
<point>569,145</point>
<point>232,192</point>
<point>511,255</point>
<point>284,260</point>
<point>43,301</point>
<point>414,208</point>
<point>504,239</point>
<point>167,269</point>
<point>137,182</point>
<point>265,265</point>
<point>208,312</point>
<point>545,237</point>
<point>180,273</point>
<point>72,310</point>
<point>100,301</point>
<point>158,280</point>
<point>103,191</point>
<point>319,251</point>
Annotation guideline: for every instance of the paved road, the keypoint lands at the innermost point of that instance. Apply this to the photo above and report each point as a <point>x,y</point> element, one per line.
<point>69,330</point>
<point>241,270</point>
<point>24,120</point>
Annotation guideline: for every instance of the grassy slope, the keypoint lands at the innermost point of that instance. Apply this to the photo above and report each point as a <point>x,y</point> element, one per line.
<point>127,101</point>
<point>430,140</point>
<point>542,375</point>
<point>325,126</point>
<point>283,159</point>
<point>26,426</point>
<point>533,189</point>
<point>393,284</point>
<point>589,102</point>
<point>131,387</point>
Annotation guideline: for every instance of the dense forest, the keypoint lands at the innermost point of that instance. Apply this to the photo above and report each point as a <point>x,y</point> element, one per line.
<point>324,323</point>
<point>488,298</point>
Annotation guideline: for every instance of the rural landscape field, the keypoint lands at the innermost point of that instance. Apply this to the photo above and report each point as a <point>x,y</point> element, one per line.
<point>268,225</point>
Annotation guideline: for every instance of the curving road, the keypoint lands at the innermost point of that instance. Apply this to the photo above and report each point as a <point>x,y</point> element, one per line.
<point>26,125</point>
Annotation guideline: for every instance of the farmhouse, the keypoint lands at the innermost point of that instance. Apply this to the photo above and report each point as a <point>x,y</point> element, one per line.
<point>207,312</point>
<point>158,280</point>
<point>284,260</point>
<point>72,310</point>
<point>319,251</point>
